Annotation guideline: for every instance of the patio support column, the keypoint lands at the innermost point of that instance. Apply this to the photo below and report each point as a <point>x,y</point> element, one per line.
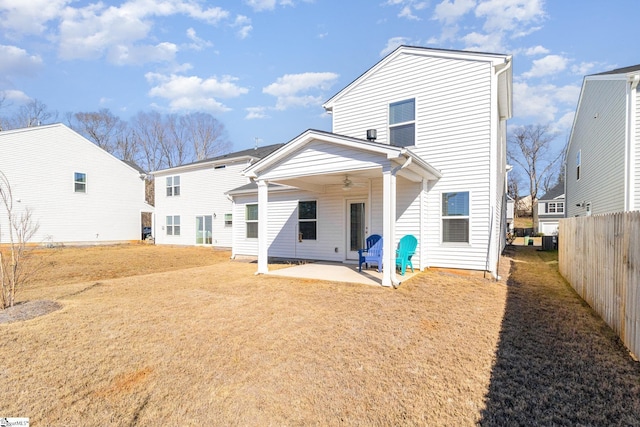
<point>263,202</point>
<point>388,225</point>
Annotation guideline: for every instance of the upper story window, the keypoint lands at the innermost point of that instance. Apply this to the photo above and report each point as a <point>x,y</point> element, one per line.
<point>455,217</point>
<point>80,182</point>
<point>578,162</point>
<point>402,123</point>
<point>173,186</point>
<point>555,207</point>
<point>228,220</point>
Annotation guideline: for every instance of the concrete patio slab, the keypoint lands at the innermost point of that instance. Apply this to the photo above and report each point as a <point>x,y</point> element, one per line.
<point>338,272</point>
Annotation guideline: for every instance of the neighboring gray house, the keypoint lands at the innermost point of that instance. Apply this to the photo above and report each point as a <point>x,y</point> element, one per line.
<point>549,210</point>
<point>418,146</point>
<point>191,205</point>
<point>603,155</point>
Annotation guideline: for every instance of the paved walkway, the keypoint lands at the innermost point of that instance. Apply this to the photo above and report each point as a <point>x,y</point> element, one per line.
<point>338,272</point>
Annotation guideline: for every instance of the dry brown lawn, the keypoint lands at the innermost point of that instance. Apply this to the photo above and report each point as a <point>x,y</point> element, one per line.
<point>151,335</point>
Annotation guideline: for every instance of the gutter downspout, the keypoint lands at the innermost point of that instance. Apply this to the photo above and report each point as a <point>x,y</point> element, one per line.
<point>394,278</point>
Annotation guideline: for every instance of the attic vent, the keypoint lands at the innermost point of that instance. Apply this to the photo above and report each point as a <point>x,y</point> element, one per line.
<point>372,134</point>
<point>220,167</point>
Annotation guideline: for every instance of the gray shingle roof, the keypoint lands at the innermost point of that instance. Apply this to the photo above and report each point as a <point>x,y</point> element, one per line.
<point>556,191</point>
<point>258,153</point>
<point>623,70</point>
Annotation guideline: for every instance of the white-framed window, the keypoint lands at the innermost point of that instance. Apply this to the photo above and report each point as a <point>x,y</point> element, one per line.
<point>578,163</point>
<point>173,186</point>
<point>555,207</point>
<point>228,220</point>
<point>173,225</point>
<point>402,123</point>
<point>455,217</point>
<point>307,220</point>
<point>251,220</point>
<point>80,182</point>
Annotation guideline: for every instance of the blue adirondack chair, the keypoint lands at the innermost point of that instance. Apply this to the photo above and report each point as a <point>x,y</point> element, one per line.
<point>372,253</point>
<point>406,248</point>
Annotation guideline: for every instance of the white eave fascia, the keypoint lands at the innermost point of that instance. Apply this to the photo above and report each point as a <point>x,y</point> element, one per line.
<point>205,164</point>
<point>417,160</point>
<point>493,58</point>
<point>306,137</point>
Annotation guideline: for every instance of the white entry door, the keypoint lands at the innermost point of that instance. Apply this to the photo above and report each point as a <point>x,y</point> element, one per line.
<point>356,227</point>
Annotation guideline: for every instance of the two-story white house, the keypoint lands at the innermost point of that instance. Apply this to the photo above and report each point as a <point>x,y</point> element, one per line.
<point>548,211</point>
<point>603,155</point>
<point>418,147</point>
<point>77,192</point>
<point>191,207</point>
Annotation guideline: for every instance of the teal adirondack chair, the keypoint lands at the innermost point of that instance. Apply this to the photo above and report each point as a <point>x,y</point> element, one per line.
<point>406,248</point>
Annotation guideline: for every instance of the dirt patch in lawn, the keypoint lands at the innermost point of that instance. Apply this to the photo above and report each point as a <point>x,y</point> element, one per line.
<point>212,344</point>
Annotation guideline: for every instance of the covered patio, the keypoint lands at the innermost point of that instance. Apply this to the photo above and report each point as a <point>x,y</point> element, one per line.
<point>337,272</point>
<point>322,163</point>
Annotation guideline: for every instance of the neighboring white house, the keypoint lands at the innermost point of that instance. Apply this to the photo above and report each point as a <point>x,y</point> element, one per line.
<point>418,147</point>
<point>76,191</point>
<point>191,207</point>
<point>549,210</point>
<point>602,171</point>
<point>510,214</point>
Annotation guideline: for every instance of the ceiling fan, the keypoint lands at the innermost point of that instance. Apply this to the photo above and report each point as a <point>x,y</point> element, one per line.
<point>347,184</point>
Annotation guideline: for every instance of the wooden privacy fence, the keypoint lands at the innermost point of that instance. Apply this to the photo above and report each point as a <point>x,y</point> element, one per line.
<point>600,257</point>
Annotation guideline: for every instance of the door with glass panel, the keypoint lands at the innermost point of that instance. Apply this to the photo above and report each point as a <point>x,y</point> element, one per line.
<point>356,227</point>
<point>204,230</point>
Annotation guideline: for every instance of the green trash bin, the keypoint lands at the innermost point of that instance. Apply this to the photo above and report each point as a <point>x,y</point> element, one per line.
<point>526,240</point>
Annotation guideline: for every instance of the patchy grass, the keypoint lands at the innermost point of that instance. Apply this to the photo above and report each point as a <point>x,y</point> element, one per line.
<point>523,222</point>
<point>197,339</point>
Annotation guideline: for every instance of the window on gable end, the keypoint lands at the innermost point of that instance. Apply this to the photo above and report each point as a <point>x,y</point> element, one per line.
<point>402,123</point>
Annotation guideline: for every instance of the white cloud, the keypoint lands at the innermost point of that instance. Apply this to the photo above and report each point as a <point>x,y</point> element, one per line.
<point>198,43</point>
<point>18,62</point>
<point>536,50</point>
<point>491,42</point>
<point>137,55</point>
<point>291,90</point>
<point>256,113</point>
<point>584,68</point>
<point>506,15</point>
<point>260,5</point>
<point>12,96</point>
<point>393,43</point>
<point>449,11</point>
<point>29,17</point>
<point>95,30</point>
<point>543,103</point>
<point>550,64</point>
<point>245,26</point>
<point>408,7</point>
<point>194,93</point>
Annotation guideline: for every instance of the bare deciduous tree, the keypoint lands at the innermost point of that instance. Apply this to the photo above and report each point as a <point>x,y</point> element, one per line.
<point>34,113</point>
<point>207,135</point>
<point>15,266</point>
<point>530,148</point>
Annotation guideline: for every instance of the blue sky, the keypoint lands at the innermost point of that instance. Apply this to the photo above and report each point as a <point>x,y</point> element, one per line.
<point>264,67</point>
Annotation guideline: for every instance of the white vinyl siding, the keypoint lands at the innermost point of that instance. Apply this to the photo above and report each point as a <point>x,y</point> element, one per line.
<point>323,157</point>
<point>453,134</point>
<point>41,163</point>
<point>331,221</point>
<point>201,194</point>
<point>599,136</point>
